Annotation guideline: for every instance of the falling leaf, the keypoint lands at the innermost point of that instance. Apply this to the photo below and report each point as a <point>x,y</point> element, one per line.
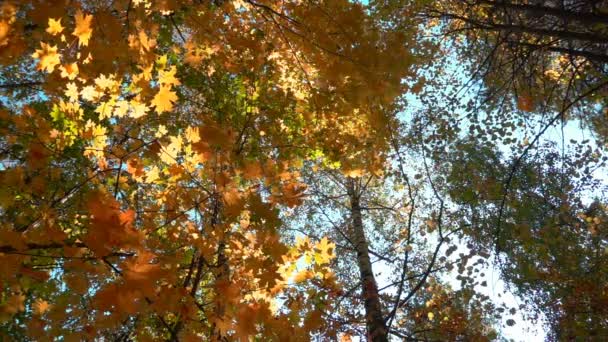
<point>83,28</point>
<point>48,57</point>
<point>54,27</point>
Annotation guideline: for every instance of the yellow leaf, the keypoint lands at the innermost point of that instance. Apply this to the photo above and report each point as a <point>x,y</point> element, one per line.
<point>355,173</point>
<point>121,108</point>
<point>104,82</point>
<point>138,109</point>
<point>162,61</point>
<point>192,135</point>
<point>72,91</point>
<point>104,109</point>
<point>161,131</point>
<point>167,77</point>
<point>324,251</point>
<point>69,71</point>
<point>54,26</point>
<point>152,175</point>
<point>163,100</point>
<point>89,93</point>
<point>48,57</point>
<point>431,315</point>
<point>83,28</point>
<point>172,150</point>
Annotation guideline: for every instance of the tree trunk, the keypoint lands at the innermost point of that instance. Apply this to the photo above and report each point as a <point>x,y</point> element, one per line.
<point>223,268</point>
<point>376,328</point>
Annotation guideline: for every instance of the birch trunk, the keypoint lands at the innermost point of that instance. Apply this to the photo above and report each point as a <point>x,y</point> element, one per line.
<point>376,328</point>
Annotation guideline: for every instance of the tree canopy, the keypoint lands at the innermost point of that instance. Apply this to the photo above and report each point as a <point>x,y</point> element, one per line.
<point>180,170</point>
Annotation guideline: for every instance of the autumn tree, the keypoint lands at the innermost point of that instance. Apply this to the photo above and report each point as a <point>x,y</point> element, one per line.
<point>148,147</point>
<point>231,170</point>
<point>392,251</point>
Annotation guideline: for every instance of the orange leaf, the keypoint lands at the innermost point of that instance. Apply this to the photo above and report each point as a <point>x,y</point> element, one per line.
<point>5,29</point>
<point>525,103</point>
<point>14,304</point>
<point>83,28</point>
<point>41,306</point>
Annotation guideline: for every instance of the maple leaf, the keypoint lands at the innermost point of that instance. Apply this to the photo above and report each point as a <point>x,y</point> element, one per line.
<point>15,303</point>
<point>246,320</point>
<point>48,57</point>
<point>71,91</point>
<point>41,306</point>
<point>164,99</point>
<point>223,325</point>
<point>167,77</point>
<point>121,108</point>
<point>104,82</point>
<point>77,282</point>
<point>192,135</point>
<point>5,30</point>
<point>525,103</point>
<point>54,27</point>
<point>138,109</point>
<point>83,28</point>
<point>89,93</point>
<point>69,71</point>
<point>324,251</point>
<point>152,175</point>
<point>252,170</point>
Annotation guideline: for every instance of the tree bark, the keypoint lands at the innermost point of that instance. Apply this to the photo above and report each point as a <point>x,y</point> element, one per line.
<point>223,268</point>
<point>376,328</point>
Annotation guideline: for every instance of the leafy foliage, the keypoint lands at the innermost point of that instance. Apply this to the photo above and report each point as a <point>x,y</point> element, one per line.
<point>241,170</point>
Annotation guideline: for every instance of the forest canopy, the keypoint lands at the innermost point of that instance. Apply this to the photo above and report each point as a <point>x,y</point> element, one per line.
<point>303,170</point>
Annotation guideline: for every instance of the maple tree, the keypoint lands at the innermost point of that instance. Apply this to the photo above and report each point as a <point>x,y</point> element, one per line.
<point>232,170</point>
<point>148,147</point>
